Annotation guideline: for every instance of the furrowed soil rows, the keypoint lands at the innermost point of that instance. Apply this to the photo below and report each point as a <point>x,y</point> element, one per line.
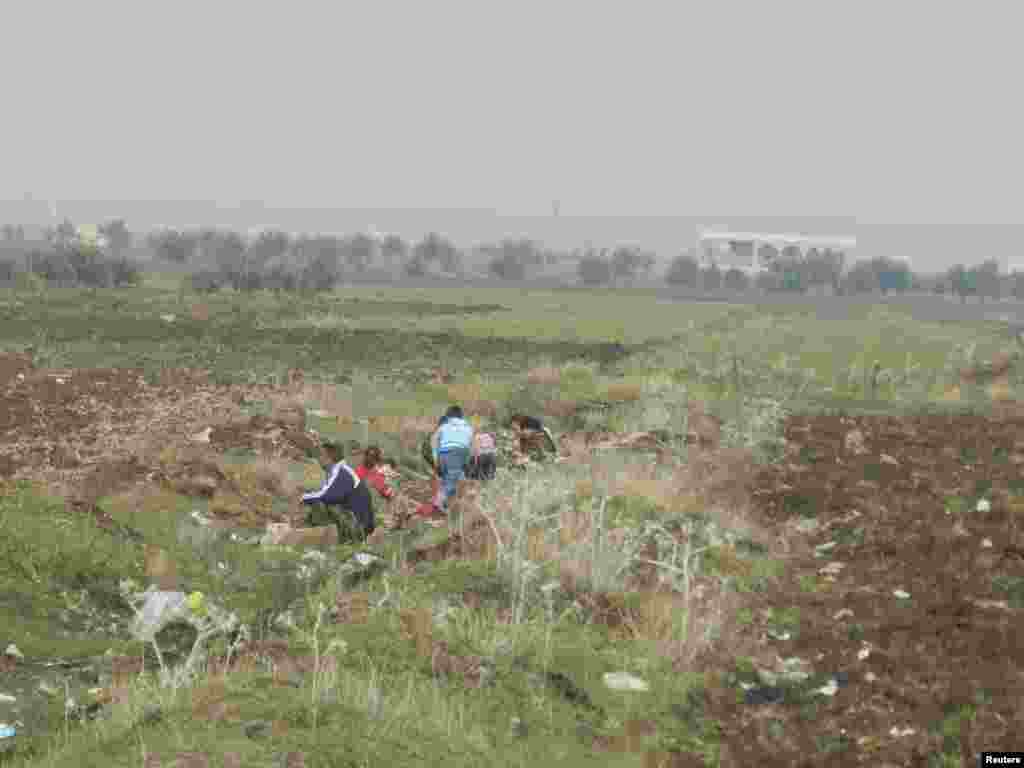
<point>912,600</point>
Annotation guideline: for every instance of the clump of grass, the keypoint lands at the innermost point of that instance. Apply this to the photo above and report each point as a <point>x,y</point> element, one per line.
<point>578,382</point>
<point>42,541</point>
<point>247,497</point>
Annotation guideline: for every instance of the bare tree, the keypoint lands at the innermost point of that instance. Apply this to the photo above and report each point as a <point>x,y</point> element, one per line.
<point>171,245</point>
<point>986,279</point>
<point>394,249</point>
<point>359,251</point>
<point>119,238</point>
<point>435,249</point>
<point>628,263</point>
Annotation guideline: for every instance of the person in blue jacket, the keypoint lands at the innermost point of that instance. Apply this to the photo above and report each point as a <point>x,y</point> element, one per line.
<point>344,489</point>
<point>451,445</point>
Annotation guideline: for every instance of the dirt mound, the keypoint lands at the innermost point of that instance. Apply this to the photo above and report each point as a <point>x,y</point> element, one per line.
<point>193,474</point>
<point>83,431</point>
<point>269,436</point>
<point>11,365</point>
<point>913,599</point>
<point>65,419</point>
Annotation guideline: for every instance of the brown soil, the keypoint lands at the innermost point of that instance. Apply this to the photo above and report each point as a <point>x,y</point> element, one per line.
<point>954,641</point>
<point>265,436</point>
<point>86,433</point>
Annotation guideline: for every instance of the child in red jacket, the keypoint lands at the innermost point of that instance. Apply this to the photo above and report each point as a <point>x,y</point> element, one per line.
<point>370,470</point>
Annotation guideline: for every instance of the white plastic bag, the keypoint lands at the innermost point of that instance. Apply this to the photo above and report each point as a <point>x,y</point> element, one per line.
<point>160,609</point>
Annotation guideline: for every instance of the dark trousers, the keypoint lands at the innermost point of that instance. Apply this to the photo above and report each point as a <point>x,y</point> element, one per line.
<point>356,510</point>
<point>482,467</point>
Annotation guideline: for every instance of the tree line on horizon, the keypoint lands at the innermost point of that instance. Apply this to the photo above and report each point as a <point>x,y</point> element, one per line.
<point>277,260</point>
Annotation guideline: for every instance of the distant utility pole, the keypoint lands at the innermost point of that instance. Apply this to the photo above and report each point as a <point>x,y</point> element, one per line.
<point>554,208</point>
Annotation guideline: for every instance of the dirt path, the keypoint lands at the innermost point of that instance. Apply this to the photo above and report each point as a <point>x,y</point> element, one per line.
<point>913,614</point>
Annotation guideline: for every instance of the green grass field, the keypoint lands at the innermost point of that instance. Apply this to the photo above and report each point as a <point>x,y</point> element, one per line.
<point>378,702</point>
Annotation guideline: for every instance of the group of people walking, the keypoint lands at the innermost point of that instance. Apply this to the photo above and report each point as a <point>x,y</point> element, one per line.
<point>455,450</point>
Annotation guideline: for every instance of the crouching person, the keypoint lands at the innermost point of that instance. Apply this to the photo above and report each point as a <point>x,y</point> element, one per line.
<point>343,493</point>
<point>483,460</point>
<point>371,472</point>
<point>532,431</point>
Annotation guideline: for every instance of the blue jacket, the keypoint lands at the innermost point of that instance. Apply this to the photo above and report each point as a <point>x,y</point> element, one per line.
<point>454,433</point>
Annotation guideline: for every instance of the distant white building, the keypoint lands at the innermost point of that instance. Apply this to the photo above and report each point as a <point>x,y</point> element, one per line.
<point>754,252</point>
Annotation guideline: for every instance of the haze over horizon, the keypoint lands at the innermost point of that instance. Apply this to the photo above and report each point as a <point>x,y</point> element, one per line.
<point>894,123</point>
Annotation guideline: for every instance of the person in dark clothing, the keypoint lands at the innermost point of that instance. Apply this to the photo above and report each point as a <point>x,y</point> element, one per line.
<point>343,488</point>
<point>528,427</point>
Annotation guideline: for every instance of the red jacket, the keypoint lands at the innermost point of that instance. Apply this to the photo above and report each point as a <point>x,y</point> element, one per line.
<point>376,479</point>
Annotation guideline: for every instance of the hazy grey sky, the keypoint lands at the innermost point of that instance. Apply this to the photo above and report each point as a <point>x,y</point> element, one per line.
<point>884,111</point>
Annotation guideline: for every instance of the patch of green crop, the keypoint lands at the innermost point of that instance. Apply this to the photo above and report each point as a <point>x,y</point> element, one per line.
<point>57,563</point>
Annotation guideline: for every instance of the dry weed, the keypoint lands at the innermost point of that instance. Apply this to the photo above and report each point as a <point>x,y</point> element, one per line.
<point>712,613</point>
<point>208,702</point>
<point>319,536</point>
<point>353,607</point>
<point>630,738</point>
<point>200,313</point>
<point>479,407</point>
<point>703,429</point>
<point>657,615</point>
<point>465,391</point>
<point>226,504</point>
<point>289,413</point>
<point>560,409</point>
<point>124,669</point>
<point>409,438</point>
<point>544,375</point>
<point>420,424</point>
<point>538,548</point>
<point>295,379</point>
<point>1000,388</point>
<point>417,625</point>
<point>441,376</point>
<point>998,366</point>
<point>329,398</point>
<point>273,476</point>
<point>575,573</point>
<point>574,525</point>
<point>144,500</point>
<point>160,568</point>
<point>623,392</point>
<point>389,424</point>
